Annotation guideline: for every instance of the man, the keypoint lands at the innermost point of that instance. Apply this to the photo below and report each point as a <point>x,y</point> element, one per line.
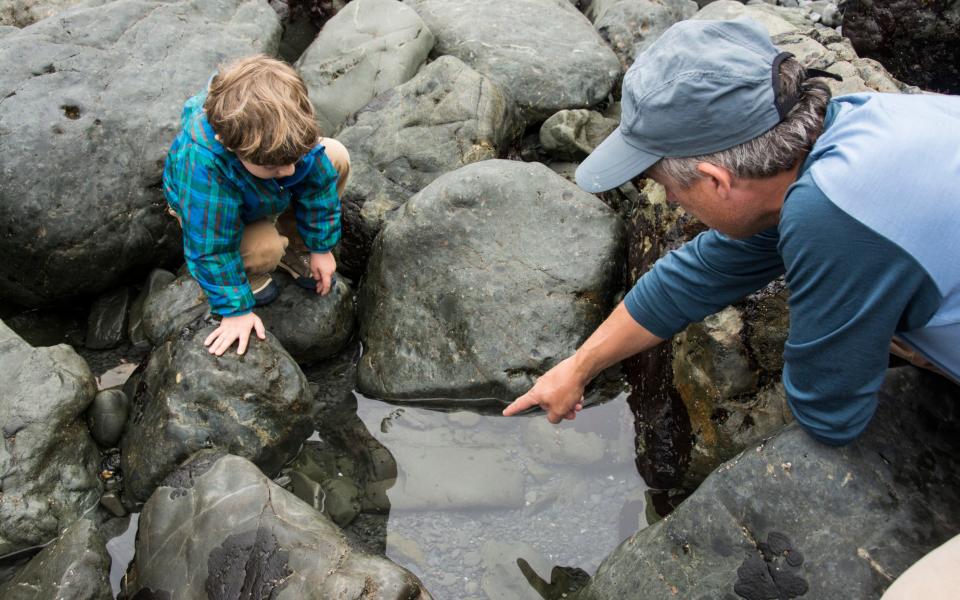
<point>854,200</point>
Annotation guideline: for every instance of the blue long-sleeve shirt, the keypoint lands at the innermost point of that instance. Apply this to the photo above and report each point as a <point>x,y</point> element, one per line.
<point>867,261</point>
<point>215,196</point>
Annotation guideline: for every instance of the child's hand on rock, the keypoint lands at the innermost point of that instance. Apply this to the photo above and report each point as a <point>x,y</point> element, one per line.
<point>232,329</point>
<point>322,268</point>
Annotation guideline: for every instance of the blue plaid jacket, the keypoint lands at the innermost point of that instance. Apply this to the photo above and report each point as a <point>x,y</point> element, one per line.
<point>215,196</point>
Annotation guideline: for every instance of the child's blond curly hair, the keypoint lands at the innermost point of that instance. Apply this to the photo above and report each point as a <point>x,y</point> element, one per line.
<point>260,110</point>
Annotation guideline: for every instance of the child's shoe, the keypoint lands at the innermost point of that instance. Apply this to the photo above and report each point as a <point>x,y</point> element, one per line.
<point>264,290</point>
<point>298,266</point>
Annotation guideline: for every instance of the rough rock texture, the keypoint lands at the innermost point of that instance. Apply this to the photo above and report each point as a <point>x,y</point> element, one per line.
<point>794,515</point>
<point>447,116</point>
<point>256,405</point>
<point>20,13</point>
<point>573,134</point>
<point>629,26</point>
<point>89,103</point>
<point>544,53</point>
<point>917,40</point>
<point>483,281</point>
<point>218,528</point>
<point>368,48</point>
<point>171,307</point>
<point>310,327</point>
<point>48,460</point>
<point>107,323</point>
<point>75,566</point>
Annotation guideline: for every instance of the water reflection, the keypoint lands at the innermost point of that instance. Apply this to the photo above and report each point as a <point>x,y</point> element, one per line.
<point>474,493</point>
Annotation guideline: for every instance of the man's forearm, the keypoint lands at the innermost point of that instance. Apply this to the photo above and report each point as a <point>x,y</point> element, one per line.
<point>617,338</point>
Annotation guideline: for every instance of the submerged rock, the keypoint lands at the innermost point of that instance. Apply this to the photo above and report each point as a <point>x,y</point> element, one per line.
<point>368,48</point>
<point>218,528</point>
<point>76,89</point>
<point>74,566</point>
<point>543,53</point>
<point>446,117</point>
<point>256,405</point>
<point>483,281</point>
<point>48,460</point>
<point>794,516</point>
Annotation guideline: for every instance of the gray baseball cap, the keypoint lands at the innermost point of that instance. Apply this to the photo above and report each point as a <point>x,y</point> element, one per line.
<point>702,87</point>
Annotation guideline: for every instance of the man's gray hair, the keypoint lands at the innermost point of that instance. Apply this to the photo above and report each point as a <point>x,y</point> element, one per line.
<point>775,151</point>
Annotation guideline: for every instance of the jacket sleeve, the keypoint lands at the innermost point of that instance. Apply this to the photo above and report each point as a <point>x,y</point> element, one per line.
<point>318,206</point>
<point>702,277</point>
<point>851,289</point>
<point>212,229</point>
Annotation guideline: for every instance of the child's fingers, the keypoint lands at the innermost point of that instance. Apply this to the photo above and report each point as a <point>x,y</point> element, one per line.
<point>213,336</point>
<point>261,330</point>
<point>327,277</point>
<point>242,344</point>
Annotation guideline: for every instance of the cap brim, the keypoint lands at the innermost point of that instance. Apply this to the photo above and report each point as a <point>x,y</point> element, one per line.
<point>613,163</point>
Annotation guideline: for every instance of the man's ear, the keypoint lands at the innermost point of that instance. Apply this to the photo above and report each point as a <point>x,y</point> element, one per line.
<point>719,179</point>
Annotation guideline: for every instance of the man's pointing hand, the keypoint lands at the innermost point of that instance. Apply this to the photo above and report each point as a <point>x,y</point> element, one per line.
<point>559,392</point>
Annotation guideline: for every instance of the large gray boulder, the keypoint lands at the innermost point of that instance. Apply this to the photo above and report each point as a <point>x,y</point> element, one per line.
<point>219,528</point>
<point>792,516</point>
<point>48,460</point>
<point>20,13</point>
<point>256,405</point>
<point>544,53</point>
<point>75,566</point>
<point>91,102</point>
<point>368,48</point>
<point>447,116</point>
<point>483,281</point>
<point>630,26</point>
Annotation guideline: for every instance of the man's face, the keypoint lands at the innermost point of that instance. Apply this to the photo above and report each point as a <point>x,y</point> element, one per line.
<point>738,215</point>
<point>268,172</point>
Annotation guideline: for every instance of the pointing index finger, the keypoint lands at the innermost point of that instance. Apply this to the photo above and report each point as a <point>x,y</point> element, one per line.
<point>520,404</point>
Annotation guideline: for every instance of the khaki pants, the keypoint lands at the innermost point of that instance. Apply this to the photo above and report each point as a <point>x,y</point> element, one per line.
<point>264,242</point>
<point>936,576</point>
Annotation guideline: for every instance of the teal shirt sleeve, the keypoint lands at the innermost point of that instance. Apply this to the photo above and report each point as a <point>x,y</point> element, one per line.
<point>851,290</point>
<point>703,276</point>
<point>208,204</point>
<point>318,206</point>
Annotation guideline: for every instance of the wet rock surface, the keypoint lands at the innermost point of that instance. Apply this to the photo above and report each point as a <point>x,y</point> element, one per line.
<point>171,307</point>
<point>107,323</point>
<point>310,327</point>
<point>630,26</point>
<point>573,134</point>
<point>368,48</point>
<point>256,405</point>
<point>107,416</point>
<point>544,53</point>
<point>248,537</point>
<point>156,280</point>
<point>48,459</point>
<point>846,521</point>
<point>918,41</point>
<point>446,117</point>
<point>86,85</point>
<point>75,566</point>
<point>484,280</point>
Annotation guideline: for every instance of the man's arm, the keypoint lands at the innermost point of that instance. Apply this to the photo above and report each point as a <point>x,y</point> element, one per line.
<point>703,276</point>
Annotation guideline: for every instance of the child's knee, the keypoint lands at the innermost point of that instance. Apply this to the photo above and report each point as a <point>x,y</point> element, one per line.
<point>339,157</point>
<point>262,247</point>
